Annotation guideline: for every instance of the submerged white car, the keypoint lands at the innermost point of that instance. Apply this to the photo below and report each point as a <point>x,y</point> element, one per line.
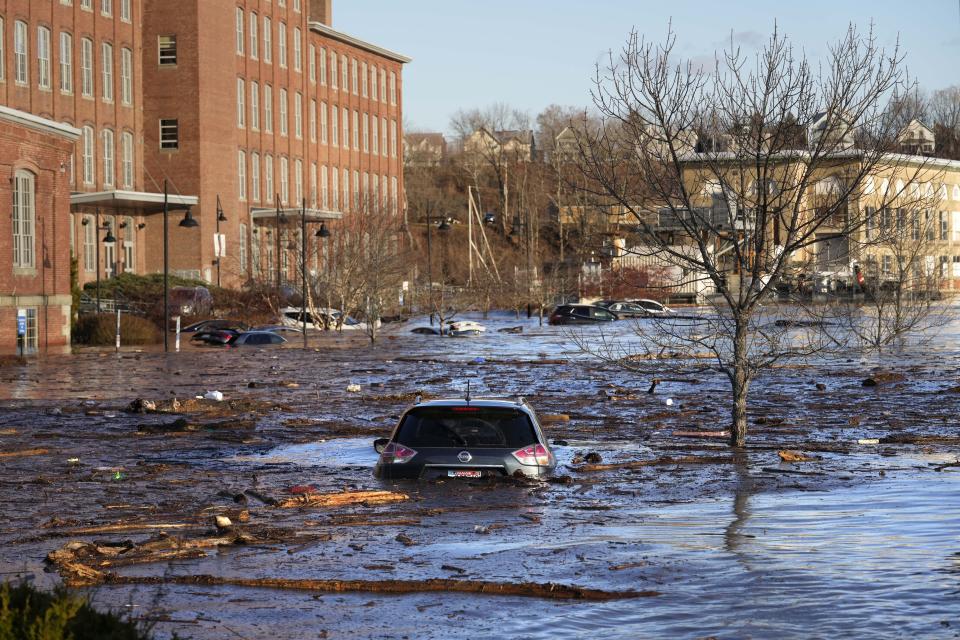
<point>465,328</point>
<point>325,319</point>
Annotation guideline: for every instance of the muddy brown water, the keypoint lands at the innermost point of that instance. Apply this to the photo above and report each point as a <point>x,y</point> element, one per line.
<point>863,541</point>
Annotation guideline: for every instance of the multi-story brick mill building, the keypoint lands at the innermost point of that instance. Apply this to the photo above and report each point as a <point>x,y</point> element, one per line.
<point>252,106</point>
<point>260,105</point>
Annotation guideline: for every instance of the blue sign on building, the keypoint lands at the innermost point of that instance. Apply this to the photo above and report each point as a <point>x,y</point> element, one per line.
<point>21,323</point>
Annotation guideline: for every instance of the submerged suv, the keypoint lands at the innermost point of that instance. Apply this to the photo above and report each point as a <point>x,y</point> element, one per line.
<point>465,439</point>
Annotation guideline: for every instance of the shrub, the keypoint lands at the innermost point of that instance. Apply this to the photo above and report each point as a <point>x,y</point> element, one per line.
<point>101,329</point>
<point>26,612</point>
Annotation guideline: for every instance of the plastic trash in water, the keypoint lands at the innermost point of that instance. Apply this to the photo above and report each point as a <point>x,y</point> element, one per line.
<point>868,441</point>
<point>668,402</point>
<point>213,395</point>
<point>118,476</point>
<point>73,460</point>
<point>478,360</point>
<point>353,388</point>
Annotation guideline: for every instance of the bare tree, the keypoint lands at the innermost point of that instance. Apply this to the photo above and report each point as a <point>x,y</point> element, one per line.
<point>945,114</point>
<point>731,203</point>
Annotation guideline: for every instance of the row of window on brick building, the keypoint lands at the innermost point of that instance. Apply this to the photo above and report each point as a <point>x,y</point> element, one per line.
<point>366,128</point>
<point>87,87</point>
<point>369,191</point>
<point>354,76</point>
<point>65,59</point>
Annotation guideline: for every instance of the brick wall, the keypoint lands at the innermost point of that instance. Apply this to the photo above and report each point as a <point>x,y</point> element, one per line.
<point>46,287</point>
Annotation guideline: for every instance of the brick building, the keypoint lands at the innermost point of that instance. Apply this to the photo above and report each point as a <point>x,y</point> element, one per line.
<point>308,114</point>
<point>35,237</point>
<point>79,62</point>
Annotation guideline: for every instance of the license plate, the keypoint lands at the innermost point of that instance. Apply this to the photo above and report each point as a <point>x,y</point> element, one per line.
<point>464,474</point>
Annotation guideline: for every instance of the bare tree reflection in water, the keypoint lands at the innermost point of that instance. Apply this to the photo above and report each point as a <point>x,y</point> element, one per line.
<point>745,488</point>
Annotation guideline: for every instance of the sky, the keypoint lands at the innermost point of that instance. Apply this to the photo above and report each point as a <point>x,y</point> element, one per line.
<point>533,53</point>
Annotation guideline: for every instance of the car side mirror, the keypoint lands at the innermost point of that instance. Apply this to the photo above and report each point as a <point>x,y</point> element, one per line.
<point>380,444</point>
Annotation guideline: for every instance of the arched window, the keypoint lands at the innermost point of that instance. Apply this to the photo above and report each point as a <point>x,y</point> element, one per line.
<point>24,219</point>
<point>88,173</point>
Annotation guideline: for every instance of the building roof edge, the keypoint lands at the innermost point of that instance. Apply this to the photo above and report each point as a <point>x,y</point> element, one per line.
<point>323,29</point>
<point>40,124</point>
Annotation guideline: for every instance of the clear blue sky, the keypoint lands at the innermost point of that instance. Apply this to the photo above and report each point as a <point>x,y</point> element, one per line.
<point>532,53</point>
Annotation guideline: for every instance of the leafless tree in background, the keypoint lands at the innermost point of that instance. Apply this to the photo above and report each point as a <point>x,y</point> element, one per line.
<point>756,161</point>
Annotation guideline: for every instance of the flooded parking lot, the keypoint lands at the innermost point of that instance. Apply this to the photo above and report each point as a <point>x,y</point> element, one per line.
<point>861,540</point>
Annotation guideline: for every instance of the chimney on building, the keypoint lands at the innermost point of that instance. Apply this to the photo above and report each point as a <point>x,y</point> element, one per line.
<point>320,11</point>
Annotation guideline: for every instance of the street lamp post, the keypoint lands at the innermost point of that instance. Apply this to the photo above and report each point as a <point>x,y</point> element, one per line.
<point>443,226</point>
<point>220,218</point>
<point>281,219</point>
<point>189,223</point>
<point>107,239</point>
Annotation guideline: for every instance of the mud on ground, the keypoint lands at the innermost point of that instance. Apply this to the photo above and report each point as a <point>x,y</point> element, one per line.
<point>195,513</point>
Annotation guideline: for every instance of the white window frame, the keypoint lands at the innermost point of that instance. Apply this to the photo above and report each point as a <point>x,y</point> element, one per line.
<point>373,82</point>
<point>298,115</point>
<point>268,108</point>
<point>21,53</point>
<point>393,88</point>
<point>324,187</point>
<point>87,84</point>
<point>242,248</point>
<point>241,103</point>
<point>333,71</point>
<point>282,112</point>
<point>241,174</point>
<point>365,121</point>
<point>88,155</point>
<point>375,134</point>
<point>345,123</point>
<point>3,48</point>
<point>364,77</point>
<point>44,55</point>
<point>254,29</point>
<point>106,71</point>
<point>240,25</point>
<point>393,138</point>
<point>298,181</point>
<point>106,8</point>
<point>344,80</point>
<point>323,123</point>
<point>355,85</point>
<point>383,86</point>
<point>322,71</point>
<point>66,62</point>
<point>167,55</point>
<point>297,50</point>
<point>335,188</point>
<point>334,125</point>
<point>267,40</point>
<point>282,44</point>
<point>269,192</point>
<point>108,154</point>
<point>169,126</point>
<point>125,14</point>
<point>24,220</point>
<point>313,120</point>
<point>255,177</point>
<point>254,106</point>
<point>284,179</point>
<point>127,159</point>
<point>126,77</point>
<point>312,63</point>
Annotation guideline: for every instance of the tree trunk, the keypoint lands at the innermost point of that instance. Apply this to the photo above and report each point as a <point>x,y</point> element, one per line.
<point>740,386</point>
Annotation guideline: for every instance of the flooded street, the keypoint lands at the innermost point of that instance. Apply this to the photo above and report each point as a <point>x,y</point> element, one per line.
<point>677,535</point>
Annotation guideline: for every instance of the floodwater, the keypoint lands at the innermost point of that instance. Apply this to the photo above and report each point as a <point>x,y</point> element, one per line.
<point>863,541</point>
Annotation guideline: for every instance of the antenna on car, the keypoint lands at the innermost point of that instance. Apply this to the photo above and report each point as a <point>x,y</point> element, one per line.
<point>468,392</point>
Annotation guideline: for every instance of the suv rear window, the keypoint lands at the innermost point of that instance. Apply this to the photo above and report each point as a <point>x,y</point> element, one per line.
<point>480,427</point>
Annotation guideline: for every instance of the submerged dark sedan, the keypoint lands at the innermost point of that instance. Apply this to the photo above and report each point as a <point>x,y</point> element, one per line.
<point>465,439</point>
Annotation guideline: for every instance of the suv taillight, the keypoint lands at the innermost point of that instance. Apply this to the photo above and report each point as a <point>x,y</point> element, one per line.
<point>395,453</point>
<point>534,454</point>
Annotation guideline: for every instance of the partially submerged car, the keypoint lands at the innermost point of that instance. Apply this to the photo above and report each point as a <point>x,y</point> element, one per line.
<point>256,339</point>
<point>581,314</point>
<point>465,438</point>
<point>325,319</point>
<point>456,328</point>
